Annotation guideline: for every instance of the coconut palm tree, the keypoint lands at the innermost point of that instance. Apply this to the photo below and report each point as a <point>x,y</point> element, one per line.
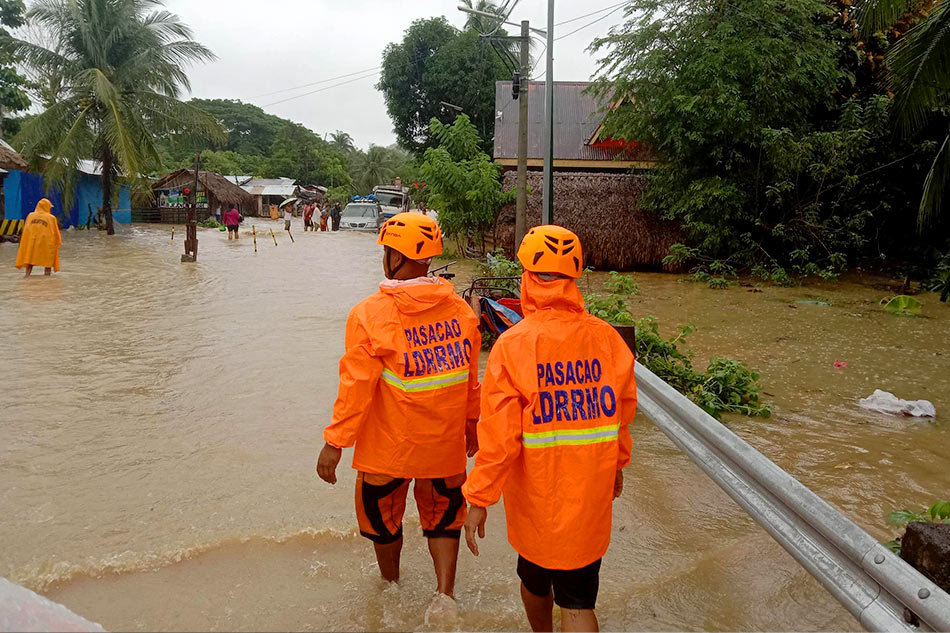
<point>484,24</point>
<point>122,68</point>
<point>342,141</point>
<point>376,167</point>
<point>919,77</point>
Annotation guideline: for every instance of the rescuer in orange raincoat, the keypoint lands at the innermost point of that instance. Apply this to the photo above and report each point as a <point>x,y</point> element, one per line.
<point>557,398</point>
<point>408,400</point>
<point>40,241</point>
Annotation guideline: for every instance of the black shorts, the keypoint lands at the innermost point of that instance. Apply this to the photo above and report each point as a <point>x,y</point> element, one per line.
<point>233,227</point>
<point>573,588</point>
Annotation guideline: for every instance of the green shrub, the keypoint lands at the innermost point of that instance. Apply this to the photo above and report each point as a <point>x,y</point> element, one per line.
<point>727,386</point>
<point>621,284</point>
<point>939,512</point>
<point>611,308</point>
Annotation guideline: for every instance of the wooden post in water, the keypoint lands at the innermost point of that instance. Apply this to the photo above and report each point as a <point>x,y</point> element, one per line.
<point>254,233</point>
<point>191,235</point>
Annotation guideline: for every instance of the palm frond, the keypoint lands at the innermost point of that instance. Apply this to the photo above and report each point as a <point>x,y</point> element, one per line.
<point>35,57</point>
<point>934,185</point>
<point>877,15</point>
<point>918,70</point>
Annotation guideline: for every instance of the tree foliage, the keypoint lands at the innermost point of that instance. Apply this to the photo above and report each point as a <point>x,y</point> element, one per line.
<point>769,151</point>
<point>463,182</point>
<point>436,62</point>
<point>300,154</point>
<point>122,64</point>
<point>13,85</point>
<point>919,77</point>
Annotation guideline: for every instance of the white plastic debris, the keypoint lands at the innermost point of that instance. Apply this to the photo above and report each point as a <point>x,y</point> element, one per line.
<point>23,610</point>
<point>886,402</point>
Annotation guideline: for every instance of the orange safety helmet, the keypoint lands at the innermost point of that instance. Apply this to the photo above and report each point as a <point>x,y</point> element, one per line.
<point>552,249</point>
<point>415,235</point>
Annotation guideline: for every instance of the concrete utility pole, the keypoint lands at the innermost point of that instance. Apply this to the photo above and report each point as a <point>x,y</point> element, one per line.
<point>521,209</point>
<point>547,210</point>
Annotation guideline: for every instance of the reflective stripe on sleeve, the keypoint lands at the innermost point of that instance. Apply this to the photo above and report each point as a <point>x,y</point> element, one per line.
<point>570,437</point>
<point>425,384</point>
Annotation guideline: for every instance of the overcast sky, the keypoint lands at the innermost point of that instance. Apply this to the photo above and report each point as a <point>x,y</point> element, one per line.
<point>265,47</point>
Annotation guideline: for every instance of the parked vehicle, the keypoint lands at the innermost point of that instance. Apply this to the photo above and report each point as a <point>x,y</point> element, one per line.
<point>392,199</point>
<point>362,215</point>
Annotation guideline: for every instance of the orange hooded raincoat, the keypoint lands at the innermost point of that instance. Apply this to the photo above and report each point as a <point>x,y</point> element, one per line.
<point>408,381</point>
<point>557,399</point>
<point>40,242</point>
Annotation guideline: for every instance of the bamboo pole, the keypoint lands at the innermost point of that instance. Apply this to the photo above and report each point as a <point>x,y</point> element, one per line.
<point>173,235</point>
<point>272,235</point>
<point>254,233</point>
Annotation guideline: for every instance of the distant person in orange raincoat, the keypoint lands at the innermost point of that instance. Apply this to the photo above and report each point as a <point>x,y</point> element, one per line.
<point>40,241</point>
<point>558,396</point>
<point>408,400</point>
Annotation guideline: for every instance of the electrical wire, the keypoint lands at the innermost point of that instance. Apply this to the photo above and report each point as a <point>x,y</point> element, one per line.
<point>581,17</point>
<point>312,92</point>
<point>322,81</point>
<point>603,17</point>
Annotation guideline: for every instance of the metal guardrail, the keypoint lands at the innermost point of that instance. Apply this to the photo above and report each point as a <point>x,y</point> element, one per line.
<point>869,580</point>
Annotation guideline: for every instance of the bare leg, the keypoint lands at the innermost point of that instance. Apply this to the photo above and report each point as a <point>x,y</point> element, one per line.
<point>48,272</point>
<point>445,555</point>
<point>578,620</point>
<point>29,269</point>
<point>538,609</point>
<point>388,558</point>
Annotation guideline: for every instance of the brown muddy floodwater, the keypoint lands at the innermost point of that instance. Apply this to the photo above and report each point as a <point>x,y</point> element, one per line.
<point>160,422</point>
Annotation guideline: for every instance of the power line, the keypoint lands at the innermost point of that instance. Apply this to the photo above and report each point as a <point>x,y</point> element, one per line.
<point>603,17</point>
<point>581,17</point>
<point>312,92</point>
<point>322,81</point>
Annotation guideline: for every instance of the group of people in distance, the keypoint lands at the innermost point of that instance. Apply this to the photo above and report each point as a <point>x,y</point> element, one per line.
<point>548,425</point>
<point>328,217</point>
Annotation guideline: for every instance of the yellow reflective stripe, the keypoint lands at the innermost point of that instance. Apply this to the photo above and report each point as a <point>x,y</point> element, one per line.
<point>578,442</point>
<point>596,429</point>
<point>425,384</point>
<point>570,437</point>
<point>3,227</point>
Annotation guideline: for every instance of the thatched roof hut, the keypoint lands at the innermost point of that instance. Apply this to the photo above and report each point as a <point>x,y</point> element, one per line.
<point>215,185</point>
<point>602,209</point>
<point>10,159</point>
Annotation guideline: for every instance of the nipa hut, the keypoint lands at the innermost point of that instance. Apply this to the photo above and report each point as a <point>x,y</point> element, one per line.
<point>214,193</point>
<point>602,209</point>
<point>9,159</point>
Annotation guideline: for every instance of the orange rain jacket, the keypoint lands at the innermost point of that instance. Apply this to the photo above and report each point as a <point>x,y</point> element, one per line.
<point>408,380</point>
<point>40,241</point>
<point>557,399</point>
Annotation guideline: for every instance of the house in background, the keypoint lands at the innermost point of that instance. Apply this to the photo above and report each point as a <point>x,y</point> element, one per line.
<point>269,191</point>
<point>597,180</point>
<point>22,189</point>
<point>170,203</point>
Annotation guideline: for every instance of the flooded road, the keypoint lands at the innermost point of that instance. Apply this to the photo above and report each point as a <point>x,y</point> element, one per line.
<point>160,422</point>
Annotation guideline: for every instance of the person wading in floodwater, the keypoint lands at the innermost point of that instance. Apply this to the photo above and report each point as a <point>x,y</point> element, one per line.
<point>40,241</point>
<point>408,400</point>
<point>335,214</point>
<point>558,398</point>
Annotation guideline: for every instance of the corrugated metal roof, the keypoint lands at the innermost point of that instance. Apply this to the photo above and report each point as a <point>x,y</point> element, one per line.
<point>576,116</point>
<point>284,187</point>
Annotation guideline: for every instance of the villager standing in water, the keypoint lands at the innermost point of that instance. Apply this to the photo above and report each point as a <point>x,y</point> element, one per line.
<point>40,241</point>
